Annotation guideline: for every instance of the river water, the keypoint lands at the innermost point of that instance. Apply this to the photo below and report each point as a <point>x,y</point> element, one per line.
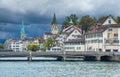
<point>59,69</point>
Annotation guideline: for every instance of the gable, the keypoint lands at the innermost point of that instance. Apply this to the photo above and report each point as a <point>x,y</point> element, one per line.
<point>74,34</point>
<point>109,21</point>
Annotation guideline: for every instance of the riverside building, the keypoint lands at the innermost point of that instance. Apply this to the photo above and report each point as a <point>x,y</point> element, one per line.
<point>105,36</point>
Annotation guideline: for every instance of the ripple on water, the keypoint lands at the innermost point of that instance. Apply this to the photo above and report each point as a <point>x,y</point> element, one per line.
<point>59,69</point>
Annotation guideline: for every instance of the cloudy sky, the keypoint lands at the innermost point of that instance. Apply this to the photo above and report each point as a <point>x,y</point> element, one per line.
<point>37,14</point>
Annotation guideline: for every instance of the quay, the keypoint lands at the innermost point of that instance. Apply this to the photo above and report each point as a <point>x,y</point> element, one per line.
<point>62,56</point>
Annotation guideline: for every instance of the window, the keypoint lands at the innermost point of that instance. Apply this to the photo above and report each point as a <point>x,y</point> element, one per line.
<point>109,21</point>
<point>115,50</point>
<point>115,41</point>
<point>99,35</point>
<point>110,30</point>
<point>94,35</point>
<point>116,35</point>
<point>108,50</point>
<point>88,41</point>
<point>78,48</point>
<point>75,31</point>
<point>91,35</point>
<point>107,41</point>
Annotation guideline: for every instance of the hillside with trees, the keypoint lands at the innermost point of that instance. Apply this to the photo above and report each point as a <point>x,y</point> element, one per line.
<point>85,22</point>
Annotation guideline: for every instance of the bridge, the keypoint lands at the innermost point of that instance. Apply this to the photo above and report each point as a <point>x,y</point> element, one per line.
<point>62,56</point>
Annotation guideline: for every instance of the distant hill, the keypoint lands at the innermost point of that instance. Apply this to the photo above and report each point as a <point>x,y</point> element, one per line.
<point>2,41</point>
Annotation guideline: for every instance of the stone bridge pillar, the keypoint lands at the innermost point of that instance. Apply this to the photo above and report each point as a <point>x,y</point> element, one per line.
<point>116,58</point>
<point>98,58</point>
<point>63,57</point>
<point>29,58</point>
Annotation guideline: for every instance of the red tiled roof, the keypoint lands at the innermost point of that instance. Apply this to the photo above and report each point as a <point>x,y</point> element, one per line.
<point>102,28</point>
<point>102,20</point>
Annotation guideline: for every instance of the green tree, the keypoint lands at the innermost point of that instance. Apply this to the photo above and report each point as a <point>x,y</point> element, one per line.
<point>72,17</point>
<point>33,46</point>
<point>1,46</point>
<point>48,43</point>
<point>86,22</point>
<point>118,19</point>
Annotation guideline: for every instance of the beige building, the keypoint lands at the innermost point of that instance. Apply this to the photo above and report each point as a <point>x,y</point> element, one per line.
<point>105,36</point>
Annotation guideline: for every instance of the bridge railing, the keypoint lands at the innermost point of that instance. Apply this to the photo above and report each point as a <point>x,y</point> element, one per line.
<point>54,54</point>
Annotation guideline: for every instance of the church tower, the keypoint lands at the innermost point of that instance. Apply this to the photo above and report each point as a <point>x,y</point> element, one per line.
<point>22,31</point>
<point>54,28</point>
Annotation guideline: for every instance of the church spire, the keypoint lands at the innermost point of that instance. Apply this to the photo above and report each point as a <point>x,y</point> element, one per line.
<point>22,30</point>
<point>54,28</point>
<point>54,20</point>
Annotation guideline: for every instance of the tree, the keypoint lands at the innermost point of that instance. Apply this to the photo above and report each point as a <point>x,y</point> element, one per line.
<point>118,19</point>
<point>48,43</point>
<point>33,46</point>
<point>72,17</point>
<point>87,22</point>
<point>1,46</point>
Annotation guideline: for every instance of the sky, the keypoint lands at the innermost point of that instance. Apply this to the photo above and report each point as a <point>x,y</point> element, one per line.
<point>38,14</point>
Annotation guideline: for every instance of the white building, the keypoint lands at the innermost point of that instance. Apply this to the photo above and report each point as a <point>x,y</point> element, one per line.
<point>18,45</point>
<point>73,39</point>
<point>74,45</point>
<point>69,32</point>
<point>14,44</point>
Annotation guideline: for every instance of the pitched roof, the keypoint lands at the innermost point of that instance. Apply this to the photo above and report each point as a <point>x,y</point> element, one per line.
<point>48,33</point>
<point>38,37</point>
<point>102,19</point>
<point>102,28</point>
<point>64,26</point>
<point>72,26</point>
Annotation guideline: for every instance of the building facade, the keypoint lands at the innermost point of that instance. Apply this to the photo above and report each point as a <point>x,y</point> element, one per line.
<point>104,36</point>
<point>74,45</point>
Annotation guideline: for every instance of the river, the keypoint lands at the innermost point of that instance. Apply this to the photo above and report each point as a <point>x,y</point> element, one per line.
<point>59,69</point>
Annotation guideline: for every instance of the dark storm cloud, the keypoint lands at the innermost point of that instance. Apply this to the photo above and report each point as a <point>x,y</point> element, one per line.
<point>7,16</point>
<point>37,14</point>
<point>32,17</point>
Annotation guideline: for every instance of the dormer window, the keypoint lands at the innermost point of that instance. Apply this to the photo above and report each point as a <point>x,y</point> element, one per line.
<point>109,21</point>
